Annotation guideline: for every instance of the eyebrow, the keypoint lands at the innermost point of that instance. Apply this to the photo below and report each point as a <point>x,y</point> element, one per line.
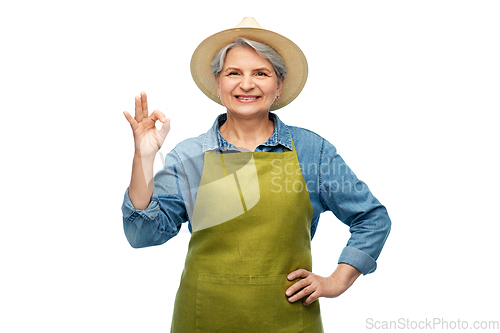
<point>231,69</point>
<point>260,69</point>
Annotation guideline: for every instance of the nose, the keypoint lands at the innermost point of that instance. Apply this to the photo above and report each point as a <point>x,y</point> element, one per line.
<point>247,83</point>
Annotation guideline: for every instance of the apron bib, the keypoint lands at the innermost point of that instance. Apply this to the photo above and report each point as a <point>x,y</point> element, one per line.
<point>251,228</point>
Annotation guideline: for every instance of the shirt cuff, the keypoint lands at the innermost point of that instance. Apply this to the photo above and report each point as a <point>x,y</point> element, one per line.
<point>358,259</point>
<point>150,213</point>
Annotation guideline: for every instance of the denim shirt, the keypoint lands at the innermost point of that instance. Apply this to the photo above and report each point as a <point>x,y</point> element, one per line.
<point>332,186</point>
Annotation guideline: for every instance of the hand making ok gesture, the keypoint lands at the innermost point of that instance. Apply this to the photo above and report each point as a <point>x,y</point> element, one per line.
<point>147,138</point>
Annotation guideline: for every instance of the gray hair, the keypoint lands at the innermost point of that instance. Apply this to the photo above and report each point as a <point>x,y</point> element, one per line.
<point>262,49</point>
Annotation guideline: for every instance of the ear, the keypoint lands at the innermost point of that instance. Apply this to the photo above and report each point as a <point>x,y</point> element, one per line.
<point>280,85</point>
<point>217,83</point>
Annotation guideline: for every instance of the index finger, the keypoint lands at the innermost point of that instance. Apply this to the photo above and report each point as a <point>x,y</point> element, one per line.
<point>299,273</point>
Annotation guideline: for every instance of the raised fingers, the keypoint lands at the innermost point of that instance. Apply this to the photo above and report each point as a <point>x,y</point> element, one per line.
<point>144,100</point>
<point>138,109</point>
<point>141,107</point>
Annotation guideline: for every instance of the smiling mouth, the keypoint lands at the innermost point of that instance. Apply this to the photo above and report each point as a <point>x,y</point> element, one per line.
<point>247,98</point>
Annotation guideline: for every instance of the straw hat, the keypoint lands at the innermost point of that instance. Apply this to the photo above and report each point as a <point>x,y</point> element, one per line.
<point>295,61</point>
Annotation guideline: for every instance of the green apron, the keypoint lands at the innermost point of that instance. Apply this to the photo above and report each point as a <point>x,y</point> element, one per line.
<point>251,228</point>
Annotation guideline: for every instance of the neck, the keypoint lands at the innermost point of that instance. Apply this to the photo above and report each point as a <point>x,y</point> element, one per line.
<point>247,133</point>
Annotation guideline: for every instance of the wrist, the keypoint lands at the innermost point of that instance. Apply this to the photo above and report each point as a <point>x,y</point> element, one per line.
<point>346,274</point>
<point>145,159</point>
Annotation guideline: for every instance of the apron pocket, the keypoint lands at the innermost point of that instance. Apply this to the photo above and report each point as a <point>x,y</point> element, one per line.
<point>246,304</point>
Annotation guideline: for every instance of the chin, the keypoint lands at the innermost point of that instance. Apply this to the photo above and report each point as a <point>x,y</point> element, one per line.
<point>247,110</point>
<point>246,113</point>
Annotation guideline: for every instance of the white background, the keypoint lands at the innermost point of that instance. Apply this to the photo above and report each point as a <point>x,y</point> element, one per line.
<point>406,90</point>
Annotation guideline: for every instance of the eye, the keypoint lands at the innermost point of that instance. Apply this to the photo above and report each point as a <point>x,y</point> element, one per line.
<point>262,74</point>
<point>232,73</point>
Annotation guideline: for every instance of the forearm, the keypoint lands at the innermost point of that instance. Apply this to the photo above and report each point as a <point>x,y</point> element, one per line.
<point>345,274</point>
<point>141,182</point>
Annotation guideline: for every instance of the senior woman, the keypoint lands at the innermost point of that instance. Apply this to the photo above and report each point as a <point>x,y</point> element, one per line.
<point>251,190</point>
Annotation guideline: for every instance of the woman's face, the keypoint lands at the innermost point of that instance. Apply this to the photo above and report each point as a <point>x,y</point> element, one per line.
<point>247,84</point>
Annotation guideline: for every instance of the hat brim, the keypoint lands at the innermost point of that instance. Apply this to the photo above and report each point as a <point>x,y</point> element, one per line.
<point>293,57</point>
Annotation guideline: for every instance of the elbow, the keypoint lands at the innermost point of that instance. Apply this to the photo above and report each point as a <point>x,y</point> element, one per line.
<point>380,223</point>
<point>384,224</point>
<point>388,223</point>
<point>135,245</point>
<point>139,236</point>
<point>142,232</point>
<point>132,233</point>
<point>134,241</point>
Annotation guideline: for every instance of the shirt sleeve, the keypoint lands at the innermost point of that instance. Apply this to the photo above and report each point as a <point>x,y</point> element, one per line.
<point>352,202</point>
<point>166,212</point>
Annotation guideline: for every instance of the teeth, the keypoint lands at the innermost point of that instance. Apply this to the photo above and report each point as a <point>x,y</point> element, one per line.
<point>239,97</point>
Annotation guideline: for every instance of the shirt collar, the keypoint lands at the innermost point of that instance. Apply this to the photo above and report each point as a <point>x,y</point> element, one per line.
<point>214,140</point>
